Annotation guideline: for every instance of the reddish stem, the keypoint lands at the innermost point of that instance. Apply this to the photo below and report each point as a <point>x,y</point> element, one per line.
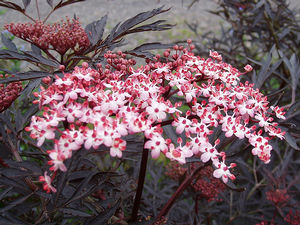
<point>141,181</point>
<point>179,191</point>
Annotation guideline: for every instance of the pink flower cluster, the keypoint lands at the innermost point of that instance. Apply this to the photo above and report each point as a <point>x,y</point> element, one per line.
<point>102,106</point>
<point>60,36</point>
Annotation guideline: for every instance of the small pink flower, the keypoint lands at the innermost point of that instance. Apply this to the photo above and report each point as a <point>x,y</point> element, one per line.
<point>215,55</point>
<point>279,112</point>
<point>176,154</point>
<point>248,68</point>
<point>118,146</point>
<point>156,144</point>
<point>47,183</point>
<point>223,172</point>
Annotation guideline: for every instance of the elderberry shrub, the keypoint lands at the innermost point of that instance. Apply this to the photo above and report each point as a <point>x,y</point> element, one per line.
<point>78,155</point>
<point>264,34</point>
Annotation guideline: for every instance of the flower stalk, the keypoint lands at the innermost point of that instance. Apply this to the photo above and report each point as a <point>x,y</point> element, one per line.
<point>139,190</point>
<point>187,181</point>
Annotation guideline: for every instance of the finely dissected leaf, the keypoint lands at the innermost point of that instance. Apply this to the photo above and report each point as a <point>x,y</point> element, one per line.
<point>25,119</point>
<point>36,49</point>
<point>26,3</point>
<point>14,173</point>
<point>293,109</point>
<point>27,56</point>
<point>291,141</point>
<point>27,91</point>
<point>14,203</point>
<point>86,58</point>
<point>79,174</point>
<point>40,59</point>
<point>129,26</point>
<point>84,188</point>
<point>294,69</point>
<point>141,50</point>
<point>65,3</point>
<point>50,2</point>
<point>142,223</point>
<point>139,18</point>
<point>8,43</point>
<point>95,30</point>
<point>288,158</point>
<point>112,35</point>
<point>25,76</point>
<point>5,119</point>
<point>11,5</point>
<point>151,46</point>
<point>266,69</point>
<point>74,212</point>
<point>156,26</point>
<point>233,187</point>
<point>103,217</point>
<point>31,166</point>
<point>4,192</point>
<point>10,220</point>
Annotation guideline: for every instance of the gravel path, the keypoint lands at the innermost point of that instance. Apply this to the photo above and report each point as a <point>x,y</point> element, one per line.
<point>119,10</point>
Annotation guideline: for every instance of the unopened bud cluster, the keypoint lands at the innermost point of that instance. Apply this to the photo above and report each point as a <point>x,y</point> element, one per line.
<point>103,106</point>
<point>175,171</point>
<point>205,184</point>
<point>60,36</point>
<point>279,197</point>
<point>8,93</point>
<point>208,186</point>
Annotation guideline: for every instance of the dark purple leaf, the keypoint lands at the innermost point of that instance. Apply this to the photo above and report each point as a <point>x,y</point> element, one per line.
<point>112,34</point>
<point>74,212</point>
<point>68,2</point>
<point>141,51</point>
<point>156,26</point>
<point>25,76</point>
<point>103,217</point>
<point>25,119</point>
<point>85,184</point>
<point>26,3</point>
<point>95,30</point>
<point>27,56</point>
<point>233,187</point>
<point>4,192</point>
<point>14,173</point>
<point>151,46</point>
<point>27,91</point>
<point>36,49</point>
<point>50,2</point>
<point>139,18</point>
<point>10,220</point>
<point>31,166</point>
<point>14,203</point>
<point>151,221</point>
<point>8,43</point>
<point>291,141</point>
<point>11,5</point>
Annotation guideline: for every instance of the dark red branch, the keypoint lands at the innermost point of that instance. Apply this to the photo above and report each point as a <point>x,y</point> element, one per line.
<point>141,181</point>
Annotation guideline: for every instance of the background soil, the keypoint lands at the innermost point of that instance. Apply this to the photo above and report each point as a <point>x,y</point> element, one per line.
<point>119,10</point>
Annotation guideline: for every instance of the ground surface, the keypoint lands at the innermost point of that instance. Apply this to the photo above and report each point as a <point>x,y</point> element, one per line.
<point>119,10</point>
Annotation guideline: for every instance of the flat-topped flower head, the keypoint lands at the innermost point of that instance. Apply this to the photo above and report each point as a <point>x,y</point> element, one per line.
<point>88,107</point>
